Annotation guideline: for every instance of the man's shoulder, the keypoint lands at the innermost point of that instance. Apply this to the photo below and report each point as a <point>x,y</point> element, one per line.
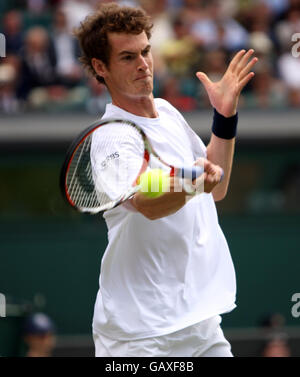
<point>163,105</point>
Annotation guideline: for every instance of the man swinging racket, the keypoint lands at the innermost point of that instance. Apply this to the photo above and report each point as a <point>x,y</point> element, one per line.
<point>166,274</point>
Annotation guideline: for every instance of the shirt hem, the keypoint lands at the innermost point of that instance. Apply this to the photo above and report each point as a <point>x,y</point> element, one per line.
<point>169,330</point>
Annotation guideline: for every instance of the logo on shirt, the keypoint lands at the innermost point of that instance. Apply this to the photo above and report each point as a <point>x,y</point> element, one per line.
<point>112,156</point>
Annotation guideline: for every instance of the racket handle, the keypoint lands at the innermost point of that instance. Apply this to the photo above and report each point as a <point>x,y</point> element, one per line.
<point>190,172</point>
<point>193,172</point>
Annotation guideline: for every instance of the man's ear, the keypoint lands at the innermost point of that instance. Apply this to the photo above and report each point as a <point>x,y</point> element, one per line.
<point>99,67</point>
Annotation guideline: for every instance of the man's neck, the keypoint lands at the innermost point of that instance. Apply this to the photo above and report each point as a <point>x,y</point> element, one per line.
<point>140,106</point>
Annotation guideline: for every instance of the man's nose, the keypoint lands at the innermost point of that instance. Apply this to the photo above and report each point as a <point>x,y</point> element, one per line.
<point>142,63</point>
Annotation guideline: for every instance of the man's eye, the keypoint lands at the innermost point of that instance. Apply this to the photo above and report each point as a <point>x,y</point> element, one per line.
<point>128,57</point>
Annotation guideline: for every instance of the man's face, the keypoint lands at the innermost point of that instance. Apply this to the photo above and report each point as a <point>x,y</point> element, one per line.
<point>130,69</point>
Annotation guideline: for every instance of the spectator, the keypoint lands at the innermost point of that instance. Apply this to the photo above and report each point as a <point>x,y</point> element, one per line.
<point>38,62</point>
<point>192,11</point>
<point>162,30</point>
<point>39,335</point>
<point>266,90</point>
<point>66,51</point>
<point>37,13</point>
<point>76,11</point>
<point>276,347</point>
<point>278,7</point>
<point>12,29</point>
<point>261,18</point>
<point>289,69</point>
<point>216,31</point>
<point>180,53</point>
<point>8,79</point>
<point>276,344</point>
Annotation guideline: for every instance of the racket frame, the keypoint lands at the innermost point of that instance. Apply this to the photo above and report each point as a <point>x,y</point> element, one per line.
<point>75,144</point>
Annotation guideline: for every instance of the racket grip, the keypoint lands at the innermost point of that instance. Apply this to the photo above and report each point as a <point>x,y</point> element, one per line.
<point>190,172</point>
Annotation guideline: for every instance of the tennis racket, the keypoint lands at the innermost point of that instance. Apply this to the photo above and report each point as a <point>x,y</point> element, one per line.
<point>96,177</point>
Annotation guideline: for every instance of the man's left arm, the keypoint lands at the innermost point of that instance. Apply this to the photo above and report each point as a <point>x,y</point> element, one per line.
<point>224,97</point>
<point>220,152</point>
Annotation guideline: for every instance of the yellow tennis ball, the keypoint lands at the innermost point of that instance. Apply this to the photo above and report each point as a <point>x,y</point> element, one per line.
<point>154,183</point>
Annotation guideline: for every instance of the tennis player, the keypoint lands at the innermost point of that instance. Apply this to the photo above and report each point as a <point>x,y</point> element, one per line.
<point>167,274</point>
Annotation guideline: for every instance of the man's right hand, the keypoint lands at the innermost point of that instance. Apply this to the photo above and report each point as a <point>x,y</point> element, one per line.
<point>212,176</point>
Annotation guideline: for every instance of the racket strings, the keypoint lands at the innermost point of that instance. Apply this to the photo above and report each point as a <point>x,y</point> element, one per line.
<point>105,166</point>
<point>117,147</point>
<point>79,179</point>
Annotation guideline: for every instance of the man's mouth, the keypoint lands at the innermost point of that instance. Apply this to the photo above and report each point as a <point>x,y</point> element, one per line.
<point>142,77</point>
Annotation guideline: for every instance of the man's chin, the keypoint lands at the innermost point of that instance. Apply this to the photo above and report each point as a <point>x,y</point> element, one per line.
<point>146,88</point>
<point>143,93</point>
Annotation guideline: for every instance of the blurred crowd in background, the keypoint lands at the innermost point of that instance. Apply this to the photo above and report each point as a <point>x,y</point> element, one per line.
<point>41,69</point>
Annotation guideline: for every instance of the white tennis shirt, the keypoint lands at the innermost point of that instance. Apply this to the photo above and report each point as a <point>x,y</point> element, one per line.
<point>160,276</point>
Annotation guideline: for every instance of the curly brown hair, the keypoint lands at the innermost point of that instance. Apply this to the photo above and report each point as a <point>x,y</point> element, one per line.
<point>92,33</point>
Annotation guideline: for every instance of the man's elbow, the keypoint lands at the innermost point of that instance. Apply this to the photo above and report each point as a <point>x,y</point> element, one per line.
<point>149,215</point>
<point>162,206</point>
<point>154,215</point>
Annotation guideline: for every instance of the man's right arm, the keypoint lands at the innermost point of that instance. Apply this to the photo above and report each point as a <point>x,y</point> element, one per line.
<point>164,205</point>
<point>170,202</point>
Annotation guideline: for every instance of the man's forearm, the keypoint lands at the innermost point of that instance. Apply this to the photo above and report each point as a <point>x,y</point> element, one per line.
<point>179,193</point>
<point>164,205</point>
<point>220,152</point>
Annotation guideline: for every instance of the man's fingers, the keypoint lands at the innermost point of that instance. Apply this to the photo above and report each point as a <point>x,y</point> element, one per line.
<point>209,167</point>
<point>243,62</point>
<point>245,81</point>
<point>218,174</point>
<point>204,79</point>
<point>213,175</point>
<point>214,172</point>
<point>248,68</point>
<point>236,60</point>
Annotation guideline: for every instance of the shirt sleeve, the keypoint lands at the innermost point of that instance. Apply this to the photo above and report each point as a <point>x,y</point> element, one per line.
<point>116,158</point>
